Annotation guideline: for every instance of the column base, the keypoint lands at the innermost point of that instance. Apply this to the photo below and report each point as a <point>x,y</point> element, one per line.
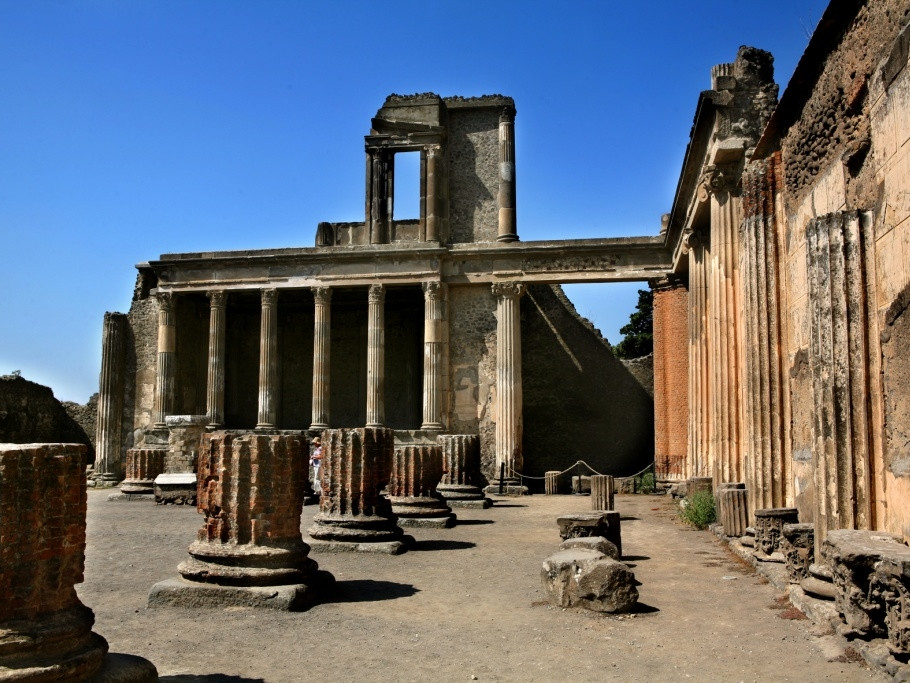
<point>104,480</point>
<point>123,668</point>
<point>298,597</point>
<point>432,427</point>
<point>481,503</point>
<point>378,547</point>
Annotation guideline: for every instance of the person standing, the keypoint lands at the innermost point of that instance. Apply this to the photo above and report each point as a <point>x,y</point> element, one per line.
<point>316,462</point>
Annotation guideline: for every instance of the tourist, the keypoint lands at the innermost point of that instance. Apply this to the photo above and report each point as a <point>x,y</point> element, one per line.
<point>316,461</point>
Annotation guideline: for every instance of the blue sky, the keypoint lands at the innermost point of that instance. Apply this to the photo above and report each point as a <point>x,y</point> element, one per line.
<point>132,128</point>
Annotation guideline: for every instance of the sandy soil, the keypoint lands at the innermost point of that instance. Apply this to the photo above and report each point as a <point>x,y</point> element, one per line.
<point>465,604</point>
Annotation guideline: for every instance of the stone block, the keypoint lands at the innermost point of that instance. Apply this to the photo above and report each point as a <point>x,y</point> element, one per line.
<point>143,465</point>
<point>797,544</point>
<point>732,511</point>
<point>605,523</point>
<point>769,523</point>
<point>581,484</point>
<point>551,482</point>
<point>602,492</point>
<point>596,543</point>
<point>580,577</point>
<point>176,488</point>
<point>416,469</point>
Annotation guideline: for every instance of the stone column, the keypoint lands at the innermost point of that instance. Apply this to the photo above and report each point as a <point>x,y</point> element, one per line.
<point>433,188</point>
<point>215,384</point>
<point>732,508</point>
<point>434,335</point>
<point>322,346</point>
<point>551,482</point>
<point>699,407</point>
<point>47,631</point>
<point>460,483</point>
<point>602,491</point>
<point>142,466</point>
<point>268,361</point>
<point>249,550</point>
<point>508,376</point>
<point>107,470</point>
<point>376,357</point>
<point>167,345</point>
<point>353,516</point>
<point>508,231</point>
<point>416,469</point>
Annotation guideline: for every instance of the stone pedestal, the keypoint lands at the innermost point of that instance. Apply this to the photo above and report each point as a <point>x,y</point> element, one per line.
<point>602,492</point>
<point>45,630</point>
<point>353,516</point>
<point>412,488</point>
<point>696,484</point>
<point>460,483</point>
<point>581,484</point>
<point>551,482</point>
<point>142,466</point>
<point>732,511</point>
<point>177,484</point>
<point>604,523</point>
<point>797,544</point>
<point>249,551</point>
<point>769,524</point>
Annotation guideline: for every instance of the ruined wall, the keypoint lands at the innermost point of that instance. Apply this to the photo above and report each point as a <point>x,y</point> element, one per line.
<point>141,365</point>
<point>671,380</point>
<point>473,161</point>
<point>84,415</point>
<point>642,369</point>
<point>580,401</point>
<point>29,413</point>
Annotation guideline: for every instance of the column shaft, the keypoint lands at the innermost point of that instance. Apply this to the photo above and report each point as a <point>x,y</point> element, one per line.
<point>508,376</point>
<point>432,195</point>
<point>110,400</point>
<point>433,343</point>
<point>167,345</point>
<point>215,383</point>
<point>506,199</point>
<point>376,357</point>
<point>268,361</point>
<point>322,344</point>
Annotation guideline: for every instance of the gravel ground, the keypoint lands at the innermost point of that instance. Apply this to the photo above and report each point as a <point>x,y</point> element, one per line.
<point>465,604</point>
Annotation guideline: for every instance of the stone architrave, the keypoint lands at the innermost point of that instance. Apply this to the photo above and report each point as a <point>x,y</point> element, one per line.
<point>604,523</point>
<point>551,482</point>
<point>353,515</point>
<point>732,512</point>
<point>143,465</point>
<point>460,483</point>
<point>45,630</point>
<point>769,524</point>
<point>107,469</point>
<point>602,492</point>
<point>177,484</point>
<point>412,487</point>
<point>249,550</point>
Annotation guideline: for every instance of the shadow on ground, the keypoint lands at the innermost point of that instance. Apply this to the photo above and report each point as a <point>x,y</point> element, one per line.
<point>369,590</point>
<point>438,544</point>
<point>469,522</point>
<point>208,678</point>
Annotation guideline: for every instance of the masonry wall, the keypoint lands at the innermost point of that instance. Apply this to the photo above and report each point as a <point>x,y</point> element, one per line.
<point>671,380</point>
<point>141,366</point>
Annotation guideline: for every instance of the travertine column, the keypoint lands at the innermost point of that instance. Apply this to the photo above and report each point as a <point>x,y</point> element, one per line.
<point>110,401</point>
<point>376,357</point>
<point>697,463</point>
<point>215,384</point>
<point>356,465</point>
<point>434,347</point>
<point>602,492</point>
<point>551,482</point>
<point>508,376</point>
<point>732,508</point>
<point>460,483</point>
<point>433,187</point>
<point>46,630</point>
<point>322,346</point>
<point>508,231</point>
<point>268,361</point>
<point>416,469</point>
<point>251,494</point>
<point>167,345</point>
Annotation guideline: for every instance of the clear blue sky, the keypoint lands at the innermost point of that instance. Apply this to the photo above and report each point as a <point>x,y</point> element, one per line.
<point>131,128</point>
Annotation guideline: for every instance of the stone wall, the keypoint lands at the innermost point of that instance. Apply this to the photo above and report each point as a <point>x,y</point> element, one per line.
<point>84,415</point>
<point>642,369</point>
<point>29,413</point>
<point>141,364</point>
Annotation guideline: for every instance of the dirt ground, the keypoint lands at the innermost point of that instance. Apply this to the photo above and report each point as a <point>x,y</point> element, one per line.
<point>465,604</point>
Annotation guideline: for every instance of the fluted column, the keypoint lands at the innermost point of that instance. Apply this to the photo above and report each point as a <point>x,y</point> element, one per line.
<point>322,346</point>
<point>215,384</point>
<point>699,408</point>
<point>268,361</point>
<point>110,401</point>
<point>167,345</point>
<point>433,352</point>
<point>433,187</point>
<point>508,376</point>
<point>376,357</point>
<point>416,470</point>
<point>508,231</point>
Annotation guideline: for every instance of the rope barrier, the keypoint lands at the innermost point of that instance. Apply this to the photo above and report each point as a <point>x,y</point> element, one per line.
<point>571,467</point>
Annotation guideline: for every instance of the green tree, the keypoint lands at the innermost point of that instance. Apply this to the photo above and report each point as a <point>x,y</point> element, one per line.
<point>639,338</point>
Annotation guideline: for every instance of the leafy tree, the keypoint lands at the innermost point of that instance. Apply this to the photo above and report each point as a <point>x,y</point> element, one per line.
<point>639,339</point>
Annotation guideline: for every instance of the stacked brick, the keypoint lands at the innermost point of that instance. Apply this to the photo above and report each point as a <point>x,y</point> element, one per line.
<point>460,483</point>
<point>416,470</point>
<point>142,466</point>
<point>671,380</point>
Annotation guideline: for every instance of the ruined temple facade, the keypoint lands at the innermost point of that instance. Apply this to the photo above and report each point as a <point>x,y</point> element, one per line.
<point>790,245</point>
<point>443,324</point>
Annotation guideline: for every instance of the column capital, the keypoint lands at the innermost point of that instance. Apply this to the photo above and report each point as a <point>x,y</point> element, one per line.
<point>269,296</point>
<point>434,291</point>
<point>322,295</point>
<point>666,283</point>
<point>508,289</point>
<point>376,294</point>
<point>217,297</point>
<point>165,300</point>
<point>718,178</point>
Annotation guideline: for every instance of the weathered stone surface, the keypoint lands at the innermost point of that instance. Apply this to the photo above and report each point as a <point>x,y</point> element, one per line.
<point>461,478</point>
<point>142,466</point>
<point>769,523</point>
<point>356,465</point>
<point>581,484</point>
<point>412,487</point>
<point>732,510</point>
<point>596,543</point>
<point>602,492</point>
<point>177,488</point>
<point>823,590</point>
<point>586,578</point>
<point>696,484</point>
<point>797,544</point>
<point>605,523</point>
<point>551,482</point>
<point>29,413</point>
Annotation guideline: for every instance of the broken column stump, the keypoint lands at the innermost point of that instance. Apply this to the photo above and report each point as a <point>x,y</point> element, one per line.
<point>142,466</point>
<point>602,492</point>
<point>353,516</point>
<point>249,551</point>
<point>412,487</point>
<point>177,484</point>
<point>579,577</point>
<point>581,484</point>
<point>769,525</point>
<point>732,511</point>
<point>604,523</point>
<point>551,482</point>
<point>45,630</point>
<point>797,544</point>
<point>696,484</point>
<point>460,483</point>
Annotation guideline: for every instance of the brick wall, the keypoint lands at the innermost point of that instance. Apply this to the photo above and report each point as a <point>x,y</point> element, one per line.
<point>671,380</point>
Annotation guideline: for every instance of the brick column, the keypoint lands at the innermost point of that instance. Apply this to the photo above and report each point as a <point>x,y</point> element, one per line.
<point>508,376</point>
<point>249,550</point>
<point>167,345</point>
<point>108,469</point>
<point>433,343</point>
<point>322,347</point>
<point>376,357</point>
<point>215,384</point>
<point>699,409</point>
<point>356,465</point>
<point>416,470</point>
<point>142,466</point>
<point>268,361</point>
<point>460,483</point>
